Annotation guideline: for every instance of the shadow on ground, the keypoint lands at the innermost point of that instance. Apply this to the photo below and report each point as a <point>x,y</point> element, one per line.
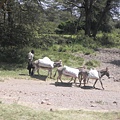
<point>23,74</point>
<point>89,88</point>
<point>62,84</point>
<point>39,77</point>
<point>115,62</point>
<point>86,87</point>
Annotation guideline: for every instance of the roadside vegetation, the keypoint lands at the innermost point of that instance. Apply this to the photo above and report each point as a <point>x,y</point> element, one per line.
<point>17,112</point>
<point>67,48</point>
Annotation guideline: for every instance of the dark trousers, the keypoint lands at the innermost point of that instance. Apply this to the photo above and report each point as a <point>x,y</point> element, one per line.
<point>30,66</point>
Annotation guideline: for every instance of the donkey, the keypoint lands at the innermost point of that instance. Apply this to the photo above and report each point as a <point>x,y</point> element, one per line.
<point>36,67</point>
<point>81,69</point>
<point>85,76</point>
<point>61,70</point>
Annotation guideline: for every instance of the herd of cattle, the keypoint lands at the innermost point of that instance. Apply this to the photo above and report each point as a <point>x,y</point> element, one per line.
<point>75,73</point>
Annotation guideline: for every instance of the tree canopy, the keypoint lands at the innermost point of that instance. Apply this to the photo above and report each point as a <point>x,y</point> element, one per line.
<point>21,21</point>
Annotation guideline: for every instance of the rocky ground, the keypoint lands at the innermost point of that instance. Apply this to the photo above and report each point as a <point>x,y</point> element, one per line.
<point>40,94</point>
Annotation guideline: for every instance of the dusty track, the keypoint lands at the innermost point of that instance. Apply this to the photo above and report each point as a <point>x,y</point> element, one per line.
<point>45,95</point>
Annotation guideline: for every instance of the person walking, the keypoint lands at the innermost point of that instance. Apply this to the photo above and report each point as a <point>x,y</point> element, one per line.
<point>30,60</point>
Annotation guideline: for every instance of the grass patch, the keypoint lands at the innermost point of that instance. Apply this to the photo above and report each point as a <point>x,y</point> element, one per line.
<point>92,63</point>
<point>13,70</point>
<point>54,54</point>
<point>68,58</point>
<point>66,53</point>
<point>18,112</point>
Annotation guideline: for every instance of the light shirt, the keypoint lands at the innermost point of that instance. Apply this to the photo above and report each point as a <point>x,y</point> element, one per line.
<point>30,56</point>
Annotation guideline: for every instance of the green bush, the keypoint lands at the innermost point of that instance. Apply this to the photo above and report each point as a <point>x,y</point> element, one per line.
<point>59,47</point>
<point>62,49</point>
<point>87,42</point>
<point>110,40</point>
<point>13,55</point>
<point>92,63</point>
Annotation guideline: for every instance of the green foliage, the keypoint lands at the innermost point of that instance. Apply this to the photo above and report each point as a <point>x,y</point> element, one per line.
<point>87,41</point>
<point>62,49</point>
<point>60,44</point>
<point>47,40</point>
<point>43,42</point>
<point>110,40</point>
<point>67,57</point>
<point>106,40</point>
<point>17,36</point>
<point>117,25</point>
<point>92,63</point>
<point>67,27</point>
<point>47,28</point>
<point>13,55</point>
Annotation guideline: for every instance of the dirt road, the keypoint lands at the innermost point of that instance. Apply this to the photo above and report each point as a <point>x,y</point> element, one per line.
<point>46,95</point>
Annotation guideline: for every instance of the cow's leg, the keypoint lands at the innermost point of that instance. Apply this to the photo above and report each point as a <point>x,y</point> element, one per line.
<point>84,81</point>
<point>38,71</point>
<point>81,77</point>
<point>80,80</point>
<point>87,80</point>
<point>95,83</point>
<point>75,80</point>
<point>50,72</point>
<point>101,84</point>
<point>59,77</point>
<point>70,80</point>
<point>34,69</point>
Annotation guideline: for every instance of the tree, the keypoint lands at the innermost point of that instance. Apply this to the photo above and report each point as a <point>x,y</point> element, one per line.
<point>94,12</point>
<point>106,9</point>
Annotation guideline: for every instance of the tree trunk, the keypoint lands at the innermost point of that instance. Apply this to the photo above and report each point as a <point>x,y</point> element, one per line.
<point>88,10</point>
<point>108,4</point>
<point>87,24</point>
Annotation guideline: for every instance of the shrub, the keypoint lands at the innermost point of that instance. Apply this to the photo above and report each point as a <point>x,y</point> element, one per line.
<point>45,41</point>
<point>86,41</point>
<point>109,40</point>
<point>92,63</point>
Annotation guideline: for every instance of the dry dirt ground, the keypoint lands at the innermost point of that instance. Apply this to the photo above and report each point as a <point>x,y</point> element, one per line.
<point>40,94</point>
